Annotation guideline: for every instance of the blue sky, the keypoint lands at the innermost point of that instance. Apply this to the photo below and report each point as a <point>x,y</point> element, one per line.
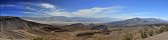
<point>122,9</point>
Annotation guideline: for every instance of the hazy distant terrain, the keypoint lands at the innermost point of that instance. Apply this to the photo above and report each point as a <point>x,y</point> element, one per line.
<point>71,19</point>
<point>65,23</point>
<point>61,20</point>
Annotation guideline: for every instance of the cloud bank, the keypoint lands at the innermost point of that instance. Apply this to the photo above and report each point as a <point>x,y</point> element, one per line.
<point>47,9</point>
<point>90,12</point>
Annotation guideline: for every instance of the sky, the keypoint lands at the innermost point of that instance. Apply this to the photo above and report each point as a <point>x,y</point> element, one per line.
<point>121,9</point>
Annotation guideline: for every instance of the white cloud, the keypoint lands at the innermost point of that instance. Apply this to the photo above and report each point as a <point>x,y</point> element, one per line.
<point>96,11</point>
<point>91,12</point>
<point>47,5</point>
<point>28,12</point>
<point>60,13</point>
<point>29,8</point>
<point>51,10</point>
<point>43,5</point>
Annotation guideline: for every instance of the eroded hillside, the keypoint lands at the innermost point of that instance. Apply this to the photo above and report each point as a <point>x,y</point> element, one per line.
<point>14,27</point>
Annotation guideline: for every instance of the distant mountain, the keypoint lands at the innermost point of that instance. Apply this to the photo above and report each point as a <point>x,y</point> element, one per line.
<point>167,20</point>
<point>71,19</point>
<point>135,21</point>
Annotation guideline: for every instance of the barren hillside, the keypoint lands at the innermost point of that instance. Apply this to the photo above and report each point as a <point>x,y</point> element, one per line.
<point>162,36</point>
<point>16,28</point>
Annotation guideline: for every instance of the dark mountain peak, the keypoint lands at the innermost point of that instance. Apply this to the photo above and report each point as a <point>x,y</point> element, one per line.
<point>12,23</point>
<point>145,19</point>
<point>136,18</point>
<point>8,17</point>
<point>16,23</point>
<point>58,16</point>
<point>15,27</point>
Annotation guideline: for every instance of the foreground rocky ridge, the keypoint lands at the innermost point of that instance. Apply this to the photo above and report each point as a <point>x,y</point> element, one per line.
<point>15,27</point>
<point>162,36</point>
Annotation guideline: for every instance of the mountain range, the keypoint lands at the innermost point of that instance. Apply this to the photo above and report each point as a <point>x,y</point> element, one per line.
<point>136,21</point>
<point>71,19</point>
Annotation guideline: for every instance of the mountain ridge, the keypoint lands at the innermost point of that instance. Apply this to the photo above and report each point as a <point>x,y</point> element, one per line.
<point>13,27</point>
<point>136,21</point>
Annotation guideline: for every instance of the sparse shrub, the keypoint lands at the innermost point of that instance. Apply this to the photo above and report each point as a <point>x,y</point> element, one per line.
<point>127,36</point>
<point>9,38</point>
<point>38,38</point>
<point>99,38</point>
<point>150,33</point>
<point>162,29</point>
<point>143,34</point>
<point>85,34</point>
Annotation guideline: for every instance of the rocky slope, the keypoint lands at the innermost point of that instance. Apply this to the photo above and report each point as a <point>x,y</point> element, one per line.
<point>162,36</point>
<point>15,27</point>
